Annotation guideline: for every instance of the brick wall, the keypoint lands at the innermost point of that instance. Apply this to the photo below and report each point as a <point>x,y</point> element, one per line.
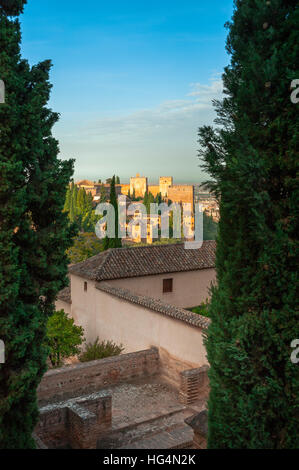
<point>81,379</point>
<point>51,430</point>
<point>77,423</point>
<point>194,383</point>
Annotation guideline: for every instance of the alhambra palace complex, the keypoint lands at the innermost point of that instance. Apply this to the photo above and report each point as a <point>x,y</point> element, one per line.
<point>177,193</point>
<point>154,395</point>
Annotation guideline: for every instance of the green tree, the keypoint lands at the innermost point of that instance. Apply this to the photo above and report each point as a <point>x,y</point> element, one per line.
<point>63,337</point>
<point>209,227</point>
<point>85,246</point>
<point>113,242</point>
<point>67,204</point>
<point>34,232</point>
<point>79,206</point>
<point>252,157</point>
<point>158,198</point>
<point>148,200</point>
<point>103,197</point>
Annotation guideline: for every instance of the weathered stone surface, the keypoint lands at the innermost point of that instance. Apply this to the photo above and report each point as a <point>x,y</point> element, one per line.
<point>76,423</point>
<point>199,423</point>
<point>194,383</point>
<point>84,378</point>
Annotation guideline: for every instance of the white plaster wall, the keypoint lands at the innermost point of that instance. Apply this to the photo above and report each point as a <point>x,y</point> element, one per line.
<point>189,288</point>
<point>138,328</point>
<point>83,306</point>
<point>60,305</point>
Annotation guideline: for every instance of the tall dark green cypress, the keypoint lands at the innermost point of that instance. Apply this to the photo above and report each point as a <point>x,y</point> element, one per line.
<point>113,242</point>
<point>252,157</point>
<point>34,233</point>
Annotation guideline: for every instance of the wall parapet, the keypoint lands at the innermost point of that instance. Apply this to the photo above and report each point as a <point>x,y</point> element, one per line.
<point>156,305</point>
<point>77,423</point>
<point>88,377</point>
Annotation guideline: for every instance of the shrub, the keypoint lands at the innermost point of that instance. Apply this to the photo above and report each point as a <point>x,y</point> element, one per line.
<point>202,309</point>
<point>63,337</point>
<point>100,350</point>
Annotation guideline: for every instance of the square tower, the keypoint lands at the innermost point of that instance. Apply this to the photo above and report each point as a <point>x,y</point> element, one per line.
<point>164,183</point>
<point>139,185</point>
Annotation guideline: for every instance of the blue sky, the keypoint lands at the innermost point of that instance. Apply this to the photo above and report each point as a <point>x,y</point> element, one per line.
<point>133,80</point>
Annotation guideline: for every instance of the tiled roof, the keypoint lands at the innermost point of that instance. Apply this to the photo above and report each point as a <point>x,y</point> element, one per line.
<point>119,263</point>
<point>156,305</point>
<point>65,295</point>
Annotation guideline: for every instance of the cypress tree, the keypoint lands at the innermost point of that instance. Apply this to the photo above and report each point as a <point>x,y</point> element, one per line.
<point>67,204</point>
<point>113,242</point>
<point>103,197</point>
<point>34,230</point>
<point>252,156</point>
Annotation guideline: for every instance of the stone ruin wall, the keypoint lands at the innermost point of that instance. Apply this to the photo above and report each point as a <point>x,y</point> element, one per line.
<point>74,411</point>
<point>89,377</point>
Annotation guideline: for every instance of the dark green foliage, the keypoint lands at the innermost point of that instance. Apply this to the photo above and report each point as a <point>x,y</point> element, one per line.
<point>34,233</point>
<point>63,337</point>
<point>12,7</point>
<point>100,350</point>
<point>79,206</point>
<point>202,309</point>
<point>159,198</point>
<point>85,246</point>
<point>103,197</point>
<point>147,201</point>
<point>113,242</point>
<point>253,158</point>
<point>209,227</point>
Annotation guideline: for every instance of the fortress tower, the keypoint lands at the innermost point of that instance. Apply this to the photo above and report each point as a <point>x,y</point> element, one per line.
<point>138,184</point>
<point>164,183</point>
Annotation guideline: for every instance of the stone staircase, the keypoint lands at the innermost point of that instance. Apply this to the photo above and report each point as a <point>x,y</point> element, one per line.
<point>161,431</point>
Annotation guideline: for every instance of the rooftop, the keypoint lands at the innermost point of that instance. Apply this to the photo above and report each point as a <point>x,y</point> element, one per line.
<point>119,263</point>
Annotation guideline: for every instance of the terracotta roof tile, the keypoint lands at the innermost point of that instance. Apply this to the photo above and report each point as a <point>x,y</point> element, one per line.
<point>145,261</point>
<point>65,295</point>
<point>156,305</point>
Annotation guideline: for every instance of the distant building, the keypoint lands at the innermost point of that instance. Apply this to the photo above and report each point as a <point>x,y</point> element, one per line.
<point>89,186</point>
<point>98,186</point>
<point>164,183</point>
<point>181,193</point>
<point>178,193</point>
<point>138,185</point>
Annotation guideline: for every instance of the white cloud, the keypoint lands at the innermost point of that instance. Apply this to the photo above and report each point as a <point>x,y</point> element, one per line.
<point>148,139</point>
